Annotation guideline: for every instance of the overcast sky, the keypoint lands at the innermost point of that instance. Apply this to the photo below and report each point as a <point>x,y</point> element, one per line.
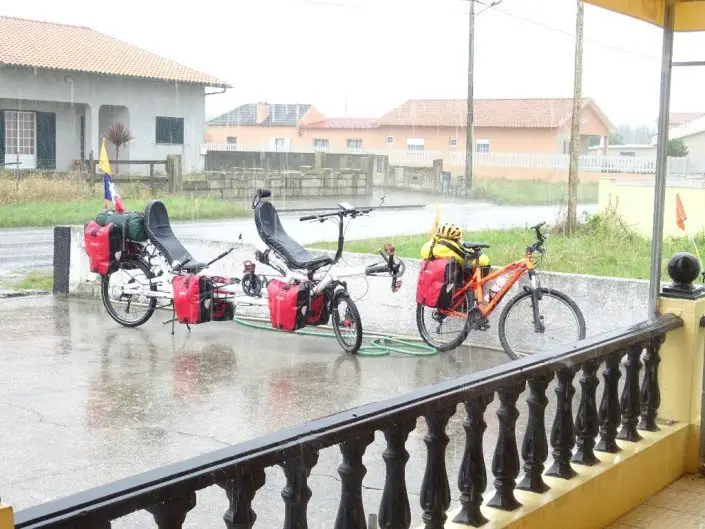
<point>363,57</point>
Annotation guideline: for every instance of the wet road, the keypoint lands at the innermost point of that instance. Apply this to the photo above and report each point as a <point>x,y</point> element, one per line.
<point>84,402</point>
<point>33,247</point>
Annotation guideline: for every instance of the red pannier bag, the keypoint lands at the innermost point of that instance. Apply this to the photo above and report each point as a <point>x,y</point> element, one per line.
<point>319,313</point>
<point>288,304</point>
<point>103,246</point>
<point>437,283</point>
<point>193,296</point>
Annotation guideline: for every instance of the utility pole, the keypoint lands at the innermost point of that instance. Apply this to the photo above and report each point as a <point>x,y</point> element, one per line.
<point>470,104</point>
<point>575,125</point>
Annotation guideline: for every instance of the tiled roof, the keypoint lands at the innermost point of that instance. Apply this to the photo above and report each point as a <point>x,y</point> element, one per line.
<point>32,43</point>
<point>279,115</point>
<point>504,113</point>
<point>242,115</point>
<point>343,123</point>
<point>677,118</point>
<point>285,114</point>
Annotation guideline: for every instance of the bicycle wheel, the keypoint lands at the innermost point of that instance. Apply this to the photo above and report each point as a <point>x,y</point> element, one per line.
<point>562,320</point>
<point>347,323</point>
<point>131,308</point>
<point>452,336</point>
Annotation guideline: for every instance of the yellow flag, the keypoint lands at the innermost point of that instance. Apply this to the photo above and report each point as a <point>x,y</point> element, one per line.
<point>103,161</point>
<point>436,221</point>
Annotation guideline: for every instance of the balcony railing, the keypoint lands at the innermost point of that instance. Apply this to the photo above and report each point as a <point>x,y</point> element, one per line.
<point>169,493</point>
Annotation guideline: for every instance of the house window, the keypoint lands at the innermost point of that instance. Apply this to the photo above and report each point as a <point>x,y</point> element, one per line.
<point>414,144</point>
<point>452,142</point>
<point>482,146</point>
<point>232,140</point>
<point>279,144</point>
<point>390,140</point>
<point>566,146</point>
<point>355,145</point>
<point>20,133</point>
<point>170,130</point>
<point>320,144</point>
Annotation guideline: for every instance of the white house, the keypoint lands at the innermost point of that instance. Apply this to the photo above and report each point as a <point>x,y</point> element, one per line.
<point>62,87</point>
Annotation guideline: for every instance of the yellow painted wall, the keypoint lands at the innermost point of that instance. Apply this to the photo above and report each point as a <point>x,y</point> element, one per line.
<point>636,205</point>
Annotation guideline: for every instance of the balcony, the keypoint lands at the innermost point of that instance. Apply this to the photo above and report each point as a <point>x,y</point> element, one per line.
<point>564,454</point>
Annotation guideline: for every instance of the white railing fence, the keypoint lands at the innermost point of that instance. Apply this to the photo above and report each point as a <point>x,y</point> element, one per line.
<point>424,158</point>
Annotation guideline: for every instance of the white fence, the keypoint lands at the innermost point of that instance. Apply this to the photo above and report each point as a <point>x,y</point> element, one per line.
<point>558,162</point>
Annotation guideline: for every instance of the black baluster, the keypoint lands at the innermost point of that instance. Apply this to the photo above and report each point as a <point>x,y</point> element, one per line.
<point>472,478</point>
<point>534,449</point>
<point>241,490</point>
<point>505,462</point>
<point>630,396</point>
<point>563,430</point>
<point>172,514</point>
<point>351,513</point>
<point>435,490</point>
<point>609,413</point>
<point>650,391</point>
<point>394,509</point>
<point>296,494</point>
<point>587,423</point>
<point>90,522</point>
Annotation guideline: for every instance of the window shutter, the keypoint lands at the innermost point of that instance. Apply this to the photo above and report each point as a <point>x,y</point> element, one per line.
<point>46,140</point>
<point>2,137</point>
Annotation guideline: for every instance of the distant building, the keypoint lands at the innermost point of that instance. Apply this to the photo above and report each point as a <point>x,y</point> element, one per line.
<point>501,125</point>
<point>62,87</point>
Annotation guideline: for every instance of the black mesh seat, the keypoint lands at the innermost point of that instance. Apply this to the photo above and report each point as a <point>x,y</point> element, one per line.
<point>272,232</point>
<point>160,234</point>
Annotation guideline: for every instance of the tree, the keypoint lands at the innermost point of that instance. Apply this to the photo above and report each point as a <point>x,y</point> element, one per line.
<point>616,138</point>
<point>119,136</point>
<point>677,148</point>
<point>573,177</point>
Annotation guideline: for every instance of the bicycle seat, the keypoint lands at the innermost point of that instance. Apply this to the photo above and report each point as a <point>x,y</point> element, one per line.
<point>161,235</point>
<point>473,245</point>
<point>272,232</point>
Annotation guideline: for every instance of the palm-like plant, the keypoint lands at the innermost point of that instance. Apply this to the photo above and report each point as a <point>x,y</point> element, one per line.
<point>119,135</point>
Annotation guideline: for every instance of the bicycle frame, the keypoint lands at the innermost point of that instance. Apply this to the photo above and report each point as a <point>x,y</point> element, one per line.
<point>477,282</point>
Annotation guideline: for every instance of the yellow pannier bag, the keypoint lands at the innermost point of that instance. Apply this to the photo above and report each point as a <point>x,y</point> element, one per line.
<point>443,248</point>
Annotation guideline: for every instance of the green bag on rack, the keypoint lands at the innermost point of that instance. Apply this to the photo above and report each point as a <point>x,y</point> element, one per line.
<point>131,224</point>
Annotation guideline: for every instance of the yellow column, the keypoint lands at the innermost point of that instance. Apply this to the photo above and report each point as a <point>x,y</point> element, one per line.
<point>7,519</point>
<point>681,371</point>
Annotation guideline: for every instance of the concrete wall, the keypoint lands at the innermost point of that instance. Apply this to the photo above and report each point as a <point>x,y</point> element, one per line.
<point>242,183</point>
<point>283,161</point>
<point>635,202</point>
<point>144,99</point>
<point>607,303</point>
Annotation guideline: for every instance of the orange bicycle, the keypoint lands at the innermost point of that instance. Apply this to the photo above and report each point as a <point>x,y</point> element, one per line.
<point>537,329</point>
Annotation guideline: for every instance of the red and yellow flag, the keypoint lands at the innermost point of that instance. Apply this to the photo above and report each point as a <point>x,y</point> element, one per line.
<point>680,213</point>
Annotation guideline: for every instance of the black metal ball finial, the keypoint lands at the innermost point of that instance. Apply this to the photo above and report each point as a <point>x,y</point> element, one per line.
<point>684,268</point>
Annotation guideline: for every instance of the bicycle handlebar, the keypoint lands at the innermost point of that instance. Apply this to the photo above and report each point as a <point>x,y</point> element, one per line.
<point>343,213</point>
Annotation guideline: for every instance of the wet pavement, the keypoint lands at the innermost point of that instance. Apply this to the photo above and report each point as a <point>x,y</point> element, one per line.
<point>84,402</point>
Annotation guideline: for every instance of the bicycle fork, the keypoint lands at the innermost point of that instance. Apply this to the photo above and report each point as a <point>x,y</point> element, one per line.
<point>535,297</point>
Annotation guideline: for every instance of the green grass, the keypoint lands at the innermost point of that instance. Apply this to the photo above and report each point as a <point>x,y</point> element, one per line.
<point>32,281</point>
<point>531,192</point>
<point>599,249</point>
<point>48,213</point>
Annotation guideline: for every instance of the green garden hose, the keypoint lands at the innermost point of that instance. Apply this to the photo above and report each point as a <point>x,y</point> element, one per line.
<point>380,345</point>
